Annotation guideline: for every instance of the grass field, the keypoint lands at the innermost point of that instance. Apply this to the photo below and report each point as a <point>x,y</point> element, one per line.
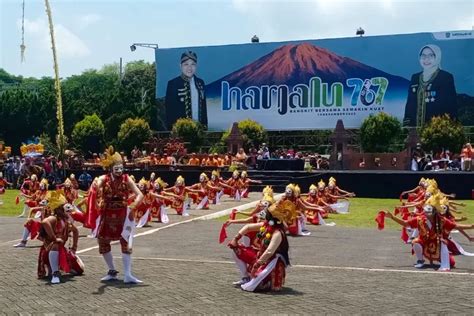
<point>362,211</point>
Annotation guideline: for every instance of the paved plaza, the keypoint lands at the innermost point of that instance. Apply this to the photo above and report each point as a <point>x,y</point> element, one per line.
<point>185,270</point>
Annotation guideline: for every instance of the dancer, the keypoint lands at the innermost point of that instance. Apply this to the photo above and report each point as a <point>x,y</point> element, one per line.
<point>264,269</point>
<point>434,230</point>
<point>116,220</point>
<point>246,181</point>
<point>55,231</point>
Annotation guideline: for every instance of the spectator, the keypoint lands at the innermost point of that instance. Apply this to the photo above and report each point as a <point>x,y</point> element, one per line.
<point>265,151</point>
<point>85,180</point>
<point>466,157</point>
<point>362,163</point>
<point>241,156</point>
<point>418,158</point>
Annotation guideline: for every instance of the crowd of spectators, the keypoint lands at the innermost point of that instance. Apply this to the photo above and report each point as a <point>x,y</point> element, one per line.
<point>442,160</point>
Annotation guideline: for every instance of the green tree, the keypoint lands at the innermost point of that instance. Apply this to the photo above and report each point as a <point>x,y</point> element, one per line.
<point>252,132</point>
<point>133,132</point>
<point>190,131</point>
<point>88,134</point>
<point>443,132</point>
<point>379,133</point>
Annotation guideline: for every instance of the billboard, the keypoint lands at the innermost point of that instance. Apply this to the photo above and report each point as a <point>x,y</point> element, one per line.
<point>311,84</point>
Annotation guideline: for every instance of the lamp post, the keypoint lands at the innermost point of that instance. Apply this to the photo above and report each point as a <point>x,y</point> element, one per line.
<point>134,46</point>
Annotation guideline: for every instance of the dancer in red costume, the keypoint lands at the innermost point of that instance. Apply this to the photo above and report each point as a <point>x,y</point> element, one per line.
<point>315,214</point>
<point>246,181</point>
<point>234,186</point>
<point>55,231</point>
<point>3,184</point>
<point>116,219</point>
<point>217,187</point>
<point>28,188</point>
<point>434,230</point>
<point>178,193</point>
<point>160,201</point>
<point>264,268</point>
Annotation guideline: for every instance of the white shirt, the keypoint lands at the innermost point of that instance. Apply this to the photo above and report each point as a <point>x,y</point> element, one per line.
<point>194,99</point>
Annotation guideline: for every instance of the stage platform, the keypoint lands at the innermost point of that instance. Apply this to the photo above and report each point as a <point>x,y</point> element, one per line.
<point>365,183</point>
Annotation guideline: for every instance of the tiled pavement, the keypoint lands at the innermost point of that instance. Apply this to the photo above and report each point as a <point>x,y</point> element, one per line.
<point>185,270</point>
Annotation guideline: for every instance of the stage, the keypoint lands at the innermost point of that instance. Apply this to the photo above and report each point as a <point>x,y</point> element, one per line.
<point>365,183</point>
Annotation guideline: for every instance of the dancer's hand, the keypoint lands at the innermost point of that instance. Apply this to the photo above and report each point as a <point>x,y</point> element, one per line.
<point>388,214</point>
<point>227,223</point>
<point>59,241</point>
<point>232,244</point>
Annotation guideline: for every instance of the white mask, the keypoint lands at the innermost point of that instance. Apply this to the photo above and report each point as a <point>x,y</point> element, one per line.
<point>117,170</point>
<point>428,209</point>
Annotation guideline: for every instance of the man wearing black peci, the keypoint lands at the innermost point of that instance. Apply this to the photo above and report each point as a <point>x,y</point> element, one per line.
<point>185,95</point>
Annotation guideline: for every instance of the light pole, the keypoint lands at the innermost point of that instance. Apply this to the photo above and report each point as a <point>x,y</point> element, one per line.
<point>134,46</point>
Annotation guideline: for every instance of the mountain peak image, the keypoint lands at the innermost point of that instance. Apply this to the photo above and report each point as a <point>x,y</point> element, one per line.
<point>297,63</point>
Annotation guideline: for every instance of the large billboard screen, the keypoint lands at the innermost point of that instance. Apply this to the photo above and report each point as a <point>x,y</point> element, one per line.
<point>310,84</point>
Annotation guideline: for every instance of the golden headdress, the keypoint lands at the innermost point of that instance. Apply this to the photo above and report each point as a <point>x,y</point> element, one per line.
<point>244,174</point>
<point>284,211</point>
<point>143,182</point>
<point>72,176</point>
<point>67,182</point>
<point>235,173</point>
<point>268,190</point>
<point>444,203</point>
<point>180,179</point>
<point>297,190</point>
<point>321,184</point>
<point>162,183</point>
<point>332,180</point>
<point>434,201</point>
<point>132,177</point>
<point>313,187</point>
<point>44,181</point>
<point>203,175</point>
<point>34,177</point>
<point>268,198</point>
<point>422,180</point>
<point>111,158</point>
<point>432,189</point>
<point>215,173</point>
<point>55,199</point>
<point>291,186</point>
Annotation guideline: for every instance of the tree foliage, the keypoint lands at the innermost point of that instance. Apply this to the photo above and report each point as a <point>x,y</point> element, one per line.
<point>30,102</point>
<point>253,133</point>
<point>190,131</point>
<point>442,132</point>
<point>133,132</point>
<point>88,134</point>
<point>379,133</point>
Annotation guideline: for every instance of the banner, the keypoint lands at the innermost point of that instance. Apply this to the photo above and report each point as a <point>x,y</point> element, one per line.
<point>311,84</point>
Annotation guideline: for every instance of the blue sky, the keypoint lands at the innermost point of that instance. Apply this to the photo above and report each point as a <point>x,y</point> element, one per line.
<point>93,33</point>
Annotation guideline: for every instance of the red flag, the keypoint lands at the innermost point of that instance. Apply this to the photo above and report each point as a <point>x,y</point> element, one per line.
<point>233,214</point>
<point>17,200</point>
<point>380,219</point>
<point>223,234</point>
<point>404,235</point>
<point>92,212</point>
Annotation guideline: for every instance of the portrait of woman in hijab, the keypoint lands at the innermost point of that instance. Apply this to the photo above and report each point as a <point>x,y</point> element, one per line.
<point>431,92</point>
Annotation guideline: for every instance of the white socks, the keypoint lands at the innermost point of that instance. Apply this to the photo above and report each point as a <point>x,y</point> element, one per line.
<point>109,260</point>
<point>127,268</point>
<point>445,265</point>
<point>241,265</point>
<point>54,260</point>
<point>418,251</point>
<point>25,235</point>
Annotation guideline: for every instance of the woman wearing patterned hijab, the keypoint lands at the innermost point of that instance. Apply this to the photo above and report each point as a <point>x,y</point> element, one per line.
<point>185,95</point>
<point>432,91</point>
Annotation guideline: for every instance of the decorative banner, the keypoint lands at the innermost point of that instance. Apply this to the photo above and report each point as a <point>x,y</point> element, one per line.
<point>312,84</point>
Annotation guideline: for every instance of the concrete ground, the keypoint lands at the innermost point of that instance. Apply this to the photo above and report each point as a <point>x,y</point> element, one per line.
<point>185,270</point>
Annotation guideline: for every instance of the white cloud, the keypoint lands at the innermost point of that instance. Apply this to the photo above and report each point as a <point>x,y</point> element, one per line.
<point>85,21</point>
<point>68,44</point>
